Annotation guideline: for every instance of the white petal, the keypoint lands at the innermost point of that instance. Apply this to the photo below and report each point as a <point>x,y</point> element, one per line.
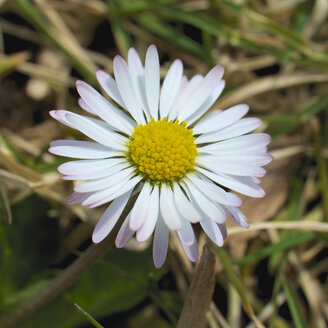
<point>237,216</point>
<point>243,185</point>
<point>106,195</point>
<point>160,243</point>
<point>88,166</point>
<point>110,86</point>
<point>212,230</point>
<point>140,207</point>
<point>187,92</point>
<point>170,87</point>
<point>152,80</point>
<point>99,174</point>
<point>222,119</point>
<point>232,168</point>
<point>124,84</point>
<point>174,108</point>
<point>207,207</point>
<point>202,92</point>
<point>149,225</point>
<point>107,182</point>
<point>223,230</point>
<point>191,251</point>
<point>81,149</point>
<point>239,128</point>
<point>84,106</point>
<point>214,192</point>
<point>59,115</point>
<point>250,142</point>
<point>110,217</point>
<point>77,198</point>
<point>104,109</point>
<point>96,132</point>
<point>207,104</point>
<point>124,234</point>
<point>186,233</point>
<point>185,208</point>
<point>137,74</point>
<point>250,159</point>
<point>168,209</point>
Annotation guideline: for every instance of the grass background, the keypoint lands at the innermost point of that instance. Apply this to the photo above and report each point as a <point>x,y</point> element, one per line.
<point>273,274</point>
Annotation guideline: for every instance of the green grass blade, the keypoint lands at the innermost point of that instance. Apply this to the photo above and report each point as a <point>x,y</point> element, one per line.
<point>233,277</point>
<point>154,25</point>
<point>4,204</point>
<point>122,38</point>
<point>322,168</point>
<point>294,306</point>
<point>89,317</point>
<point>271,249</point>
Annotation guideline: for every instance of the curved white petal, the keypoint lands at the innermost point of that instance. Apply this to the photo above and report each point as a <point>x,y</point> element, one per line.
<point>152,80</point>
<point>188,90</point>
<point>184,206</point>
<point>237,216</point>
<point>202,92</point>
<point>206,206</point>
<point>254,142</point>
<point>243,185</point>
<point>96,132</point>
<point>110,86</point>
<point>238,128</point>
<point>124,84</point>
<point>160,243</point>
<point>137,73</point>
<point>186,233</point>
<point>104,109</point>
<point>222,119</point>
<point>149,225</point>
<point>107,182</point>
<point>88,166</point>
<point>84,106</point>
<point>174,108</point>
<point>98,174</point>
<point>141,207</point>
<point>243,158</point>
<point>124,234</point>
<point>170,87</point>
<point>232,168</point>
<point>191,251</point>
<point>214,192</point>
<point>207,103</point>
<point>81,149</point>
<point>168,209</point>
<point>223,230</point>
<point>59,115</point>
<point>213,232</point>
<point>110,217</point>
<point>106,195</point>
<point>77,198</point>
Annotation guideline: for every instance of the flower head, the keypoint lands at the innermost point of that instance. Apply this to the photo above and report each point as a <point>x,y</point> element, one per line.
<point>158,144</point>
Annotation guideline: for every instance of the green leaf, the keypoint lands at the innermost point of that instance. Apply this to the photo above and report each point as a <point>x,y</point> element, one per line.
<point>114,284</point>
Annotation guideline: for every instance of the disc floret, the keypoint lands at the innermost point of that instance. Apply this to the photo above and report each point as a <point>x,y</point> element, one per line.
<point>162,150</point>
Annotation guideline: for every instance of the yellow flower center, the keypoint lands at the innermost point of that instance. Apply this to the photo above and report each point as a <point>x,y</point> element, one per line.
<point>163,151</point>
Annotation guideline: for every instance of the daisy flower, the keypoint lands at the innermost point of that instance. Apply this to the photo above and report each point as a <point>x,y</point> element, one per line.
<point>157,146</point>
